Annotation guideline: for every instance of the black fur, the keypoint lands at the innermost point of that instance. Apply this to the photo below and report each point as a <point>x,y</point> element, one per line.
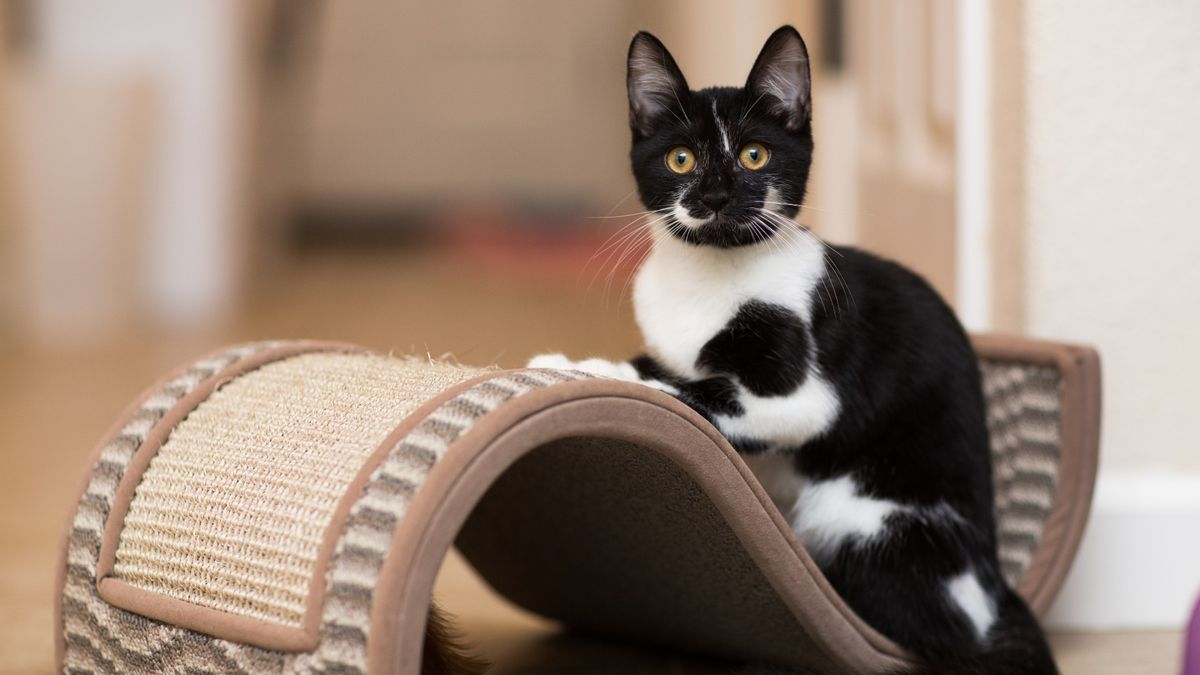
<point>765,346</point>
<point>684,117</point>
<point>911,426</point>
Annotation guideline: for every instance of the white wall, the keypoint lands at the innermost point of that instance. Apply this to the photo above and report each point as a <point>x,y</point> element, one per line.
<point>1112,244</point>
<point>1113,185</point>
<point>186,54</point>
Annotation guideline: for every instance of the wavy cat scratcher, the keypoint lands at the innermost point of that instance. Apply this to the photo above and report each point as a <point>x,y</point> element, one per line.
<point>285,507</point>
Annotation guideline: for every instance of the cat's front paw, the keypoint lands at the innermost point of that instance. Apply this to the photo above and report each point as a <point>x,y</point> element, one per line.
<point>554,361</point>
<point>600,368</point>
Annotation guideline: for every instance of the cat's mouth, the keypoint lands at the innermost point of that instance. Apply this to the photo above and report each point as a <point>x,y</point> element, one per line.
<point>723,230</point>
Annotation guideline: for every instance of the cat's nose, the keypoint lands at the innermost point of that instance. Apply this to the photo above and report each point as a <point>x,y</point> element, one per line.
<point>715,200</point>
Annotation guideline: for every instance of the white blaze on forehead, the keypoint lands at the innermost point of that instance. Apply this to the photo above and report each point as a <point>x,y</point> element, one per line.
<point>722,130</point>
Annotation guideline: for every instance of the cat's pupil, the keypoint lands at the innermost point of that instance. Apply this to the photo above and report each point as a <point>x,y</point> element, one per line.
<point>753,152</point>
<point>681,158</point>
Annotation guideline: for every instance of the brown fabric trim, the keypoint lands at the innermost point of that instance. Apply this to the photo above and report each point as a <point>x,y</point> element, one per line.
<point>109,436</point>
<point>603,408</point>
<point>214,622</point>
<point>620,410</point>
<point>1079,368</point>
<point>185,614</point>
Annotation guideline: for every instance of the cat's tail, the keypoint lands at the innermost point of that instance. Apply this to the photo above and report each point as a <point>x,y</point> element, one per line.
<point>444,652</point>
<point>1015,646</point>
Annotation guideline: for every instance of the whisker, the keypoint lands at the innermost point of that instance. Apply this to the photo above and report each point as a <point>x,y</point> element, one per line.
<point>833,272</point>
<point>747,110</point>
<point>613,248</point>
<point>645,233</point>
<point>799,206</point>
<point>617,242</point>
<point>627,215</point>
<point>618,204</point>
<point>630,244</point>
<point>824,243</point>
<point>613,242</point>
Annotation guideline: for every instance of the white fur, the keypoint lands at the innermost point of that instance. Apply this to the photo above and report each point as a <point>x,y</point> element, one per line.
<point>722,130</point>
<point>773,201</point>
<point>680,213</point>
<point>979,607</point>
<point>830,512</point>
<point>790,420</point>
<point>684,295</point>
<point>600,368</point>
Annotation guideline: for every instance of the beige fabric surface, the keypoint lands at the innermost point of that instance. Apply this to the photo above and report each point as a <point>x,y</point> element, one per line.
<point>96,636</point>
<point>233,508</point>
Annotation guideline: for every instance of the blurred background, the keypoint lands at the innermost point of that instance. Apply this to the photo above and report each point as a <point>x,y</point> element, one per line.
<point>444,178</point>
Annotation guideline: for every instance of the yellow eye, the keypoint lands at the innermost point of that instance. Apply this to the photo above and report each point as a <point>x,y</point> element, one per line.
<point>754,156</point>
<point>681,159</point>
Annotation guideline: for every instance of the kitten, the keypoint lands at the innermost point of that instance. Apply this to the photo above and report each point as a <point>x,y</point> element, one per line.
<point>845,381</point>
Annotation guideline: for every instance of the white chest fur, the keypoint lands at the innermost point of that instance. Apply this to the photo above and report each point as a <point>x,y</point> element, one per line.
<point>685,294</point>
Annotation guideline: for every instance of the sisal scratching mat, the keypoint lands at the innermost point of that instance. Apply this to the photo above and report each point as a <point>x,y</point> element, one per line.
<point>284,507</point>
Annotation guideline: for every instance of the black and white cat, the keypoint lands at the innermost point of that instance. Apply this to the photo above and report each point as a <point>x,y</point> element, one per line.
<point>844,379</point>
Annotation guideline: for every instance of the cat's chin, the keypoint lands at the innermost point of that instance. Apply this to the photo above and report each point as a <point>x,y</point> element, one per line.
<point>723,234</point>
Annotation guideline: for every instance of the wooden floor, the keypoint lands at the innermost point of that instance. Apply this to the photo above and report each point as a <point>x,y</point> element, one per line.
<point>54,404</point>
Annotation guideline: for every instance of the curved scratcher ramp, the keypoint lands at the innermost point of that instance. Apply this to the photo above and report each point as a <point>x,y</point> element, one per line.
<point>286,506</point>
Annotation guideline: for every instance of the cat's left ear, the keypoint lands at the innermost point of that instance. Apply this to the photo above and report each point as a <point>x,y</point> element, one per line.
<point>656,85</point>
<point>781,78</point>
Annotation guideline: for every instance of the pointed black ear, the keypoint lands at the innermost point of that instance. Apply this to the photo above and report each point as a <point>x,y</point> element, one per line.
<point>781,78</point>
<point>656,86</point>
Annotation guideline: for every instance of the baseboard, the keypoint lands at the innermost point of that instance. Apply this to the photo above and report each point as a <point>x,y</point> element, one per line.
<point>1139,564</point>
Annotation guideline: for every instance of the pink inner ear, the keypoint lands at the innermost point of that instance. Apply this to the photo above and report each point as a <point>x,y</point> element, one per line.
<point>782,73</point>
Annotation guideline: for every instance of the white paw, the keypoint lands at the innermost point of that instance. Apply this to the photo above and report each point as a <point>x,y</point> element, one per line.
<point>557,361</point>
<point>600,368</point>
<point>609,369</point>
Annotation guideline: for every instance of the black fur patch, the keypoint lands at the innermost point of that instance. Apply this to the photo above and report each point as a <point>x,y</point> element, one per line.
<point>765,346</point>
<point>710,396</point>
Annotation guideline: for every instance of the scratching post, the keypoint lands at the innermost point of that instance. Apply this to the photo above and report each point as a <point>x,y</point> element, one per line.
<point>285,507</point>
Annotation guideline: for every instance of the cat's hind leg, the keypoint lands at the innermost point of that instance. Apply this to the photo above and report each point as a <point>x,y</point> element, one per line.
<point>926,579</point>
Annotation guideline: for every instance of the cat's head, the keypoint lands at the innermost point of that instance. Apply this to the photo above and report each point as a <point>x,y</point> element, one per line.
<point>725,166</point>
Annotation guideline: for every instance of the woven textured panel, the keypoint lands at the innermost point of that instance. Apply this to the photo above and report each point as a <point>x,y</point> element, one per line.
<point>100,637</point>
<point>233,508</point>
<point>1024,410</point>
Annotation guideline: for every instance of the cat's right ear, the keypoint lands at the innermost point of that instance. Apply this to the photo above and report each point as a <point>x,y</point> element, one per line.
<point>656,85</point>
<point>781,75</point>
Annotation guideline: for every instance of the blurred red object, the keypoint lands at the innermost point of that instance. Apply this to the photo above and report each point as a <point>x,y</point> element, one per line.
<point>547,248</point>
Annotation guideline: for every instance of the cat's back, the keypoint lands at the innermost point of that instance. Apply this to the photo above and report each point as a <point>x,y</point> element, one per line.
<point>877,304</point>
